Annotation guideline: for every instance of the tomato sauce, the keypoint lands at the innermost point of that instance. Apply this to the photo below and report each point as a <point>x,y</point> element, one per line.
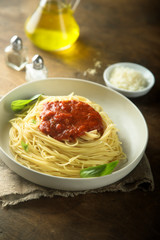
<point>69,119</point>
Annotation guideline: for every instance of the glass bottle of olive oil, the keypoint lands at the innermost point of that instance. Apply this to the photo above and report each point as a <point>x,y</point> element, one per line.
<point>52,26</point>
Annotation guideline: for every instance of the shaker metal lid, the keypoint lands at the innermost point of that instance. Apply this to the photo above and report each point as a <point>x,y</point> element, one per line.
<point>38,62</point>
<point>16,43</point>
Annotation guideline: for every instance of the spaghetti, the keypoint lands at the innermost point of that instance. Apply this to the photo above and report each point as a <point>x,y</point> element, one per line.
<point>35,147</point>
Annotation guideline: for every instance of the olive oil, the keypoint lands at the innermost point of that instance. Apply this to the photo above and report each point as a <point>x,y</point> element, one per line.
<point>52,27</point>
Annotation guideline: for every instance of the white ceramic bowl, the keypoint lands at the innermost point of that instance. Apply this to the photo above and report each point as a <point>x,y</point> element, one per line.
<point>131,94</point>
<point>132,127</point>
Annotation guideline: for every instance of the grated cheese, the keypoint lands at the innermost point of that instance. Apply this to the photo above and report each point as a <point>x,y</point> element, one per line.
<point>128,79</point>
<point>97,64</point>
<point>93,71</point>
<point>90,71</point>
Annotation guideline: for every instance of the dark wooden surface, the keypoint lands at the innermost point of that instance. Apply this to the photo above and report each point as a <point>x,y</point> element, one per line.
<point>111,31</point>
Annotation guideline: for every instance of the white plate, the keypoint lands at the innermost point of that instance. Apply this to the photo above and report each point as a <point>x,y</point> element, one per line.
<point>133,129</point>
<point>148,75</point>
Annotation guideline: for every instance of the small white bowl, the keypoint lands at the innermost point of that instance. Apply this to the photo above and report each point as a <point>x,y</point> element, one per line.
<point>131,94</point>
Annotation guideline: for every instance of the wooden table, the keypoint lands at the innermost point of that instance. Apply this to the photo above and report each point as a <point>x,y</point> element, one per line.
<point>111,31</point>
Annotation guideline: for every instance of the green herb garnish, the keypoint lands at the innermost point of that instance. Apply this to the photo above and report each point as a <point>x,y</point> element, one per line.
<point>34,121</point>
<point>98,171</point>
<point>19,105</point>
<point>25,146</point>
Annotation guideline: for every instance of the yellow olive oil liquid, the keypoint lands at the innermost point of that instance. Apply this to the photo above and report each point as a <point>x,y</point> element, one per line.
<point>51,28</point>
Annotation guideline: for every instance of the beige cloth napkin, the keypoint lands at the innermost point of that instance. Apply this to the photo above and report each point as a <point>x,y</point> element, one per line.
<point>14,189</point>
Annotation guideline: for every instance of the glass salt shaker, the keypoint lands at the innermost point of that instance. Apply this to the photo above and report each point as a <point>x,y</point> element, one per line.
<point>36,70</point>
<point>16,54</point>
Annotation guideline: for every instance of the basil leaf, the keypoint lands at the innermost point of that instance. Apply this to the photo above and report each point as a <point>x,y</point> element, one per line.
<point>100,170</point>
<point>34,121</point>
<point>19,105</point>
<point>92,171</point>
<point>109,168</point>
<point>25,146</point>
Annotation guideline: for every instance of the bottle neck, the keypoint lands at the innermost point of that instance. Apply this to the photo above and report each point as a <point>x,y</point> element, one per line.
<point>61,3</point>
<point>58,2</point>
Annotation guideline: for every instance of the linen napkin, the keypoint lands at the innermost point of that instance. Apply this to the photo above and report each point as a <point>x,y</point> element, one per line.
<point>14,189</point>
